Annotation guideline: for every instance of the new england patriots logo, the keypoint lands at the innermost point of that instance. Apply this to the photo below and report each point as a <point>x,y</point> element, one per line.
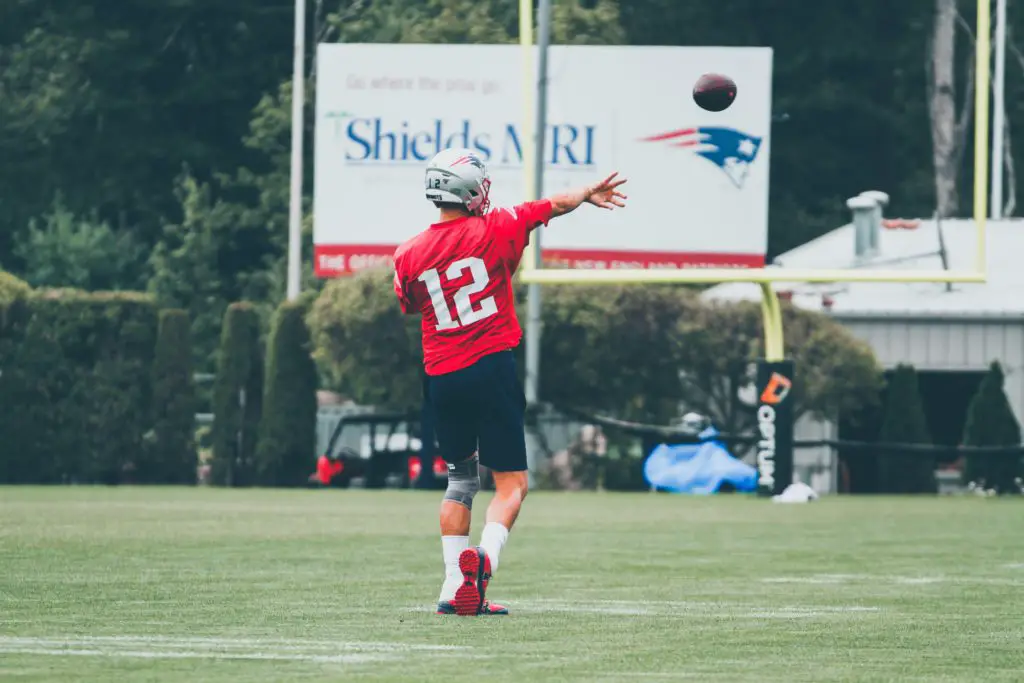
<point>471,159</point>
<point>731,150</point>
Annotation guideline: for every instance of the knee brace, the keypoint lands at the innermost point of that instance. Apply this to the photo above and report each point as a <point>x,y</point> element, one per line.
<point>463,482</point>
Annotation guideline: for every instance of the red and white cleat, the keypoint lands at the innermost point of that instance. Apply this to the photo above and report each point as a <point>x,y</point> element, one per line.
<point>489,609</point>
<point>476,574</point>
<point>493,609</point>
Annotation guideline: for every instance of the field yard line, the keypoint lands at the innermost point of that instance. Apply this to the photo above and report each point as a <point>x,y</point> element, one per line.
<point>718,610</point>
<point>894,579</point>
<point>629,675</point>
<point>195,654</point>
<point>789,613</point>
<point>214,642</point>
<point>169,647</point>
<point>687,603</point>
<point>829,580</point>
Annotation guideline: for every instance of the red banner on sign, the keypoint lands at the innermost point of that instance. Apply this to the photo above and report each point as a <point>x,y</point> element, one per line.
<point>333,260</point>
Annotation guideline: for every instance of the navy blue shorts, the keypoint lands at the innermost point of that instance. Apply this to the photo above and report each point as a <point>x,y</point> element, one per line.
<point>480,408</point>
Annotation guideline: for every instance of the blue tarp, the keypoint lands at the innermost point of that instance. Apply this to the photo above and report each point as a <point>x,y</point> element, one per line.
<point>697,468</point>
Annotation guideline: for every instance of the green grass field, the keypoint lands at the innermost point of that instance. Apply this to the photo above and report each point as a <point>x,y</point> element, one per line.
<point>195,585</point>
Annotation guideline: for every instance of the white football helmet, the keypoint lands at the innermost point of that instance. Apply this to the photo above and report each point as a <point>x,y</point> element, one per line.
<point>458,176</point>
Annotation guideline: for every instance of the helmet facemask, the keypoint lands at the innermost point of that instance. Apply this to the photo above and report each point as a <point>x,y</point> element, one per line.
<point>480,202</point>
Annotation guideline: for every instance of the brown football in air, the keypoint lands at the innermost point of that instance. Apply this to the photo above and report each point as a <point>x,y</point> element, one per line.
<point>714,92</point>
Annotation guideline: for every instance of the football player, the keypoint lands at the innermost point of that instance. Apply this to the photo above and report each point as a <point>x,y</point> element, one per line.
<point>457,274</point>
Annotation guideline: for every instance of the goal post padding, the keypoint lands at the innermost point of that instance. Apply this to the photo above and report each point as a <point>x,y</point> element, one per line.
<point>775,423</point>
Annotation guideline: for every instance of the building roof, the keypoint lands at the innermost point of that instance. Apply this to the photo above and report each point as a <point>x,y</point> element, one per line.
<point>907,248</point>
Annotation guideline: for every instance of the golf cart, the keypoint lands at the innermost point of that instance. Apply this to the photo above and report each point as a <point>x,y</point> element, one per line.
<point>378,450</point>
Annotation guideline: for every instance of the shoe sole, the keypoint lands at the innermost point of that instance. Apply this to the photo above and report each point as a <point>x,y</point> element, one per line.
<point>469,597</point>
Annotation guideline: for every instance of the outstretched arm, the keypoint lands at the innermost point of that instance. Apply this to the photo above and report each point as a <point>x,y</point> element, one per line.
<point>604,195</point>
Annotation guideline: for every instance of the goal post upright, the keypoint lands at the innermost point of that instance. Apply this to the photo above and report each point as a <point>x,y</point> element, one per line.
<point>982,58</point>
<point>529,103</point>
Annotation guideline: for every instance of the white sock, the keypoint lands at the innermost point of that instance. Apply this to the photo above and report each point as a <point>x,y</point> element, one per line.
<point>492,540</point>
<point>451,548</point>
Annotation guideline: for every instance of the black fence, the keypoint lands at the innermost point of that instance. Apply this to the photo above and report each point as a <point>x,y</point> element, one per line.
<point>680,436</point>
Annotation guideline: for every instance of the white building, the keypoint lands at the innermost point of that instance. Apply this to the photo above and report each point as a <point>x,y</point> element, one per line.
<point>940,329</point>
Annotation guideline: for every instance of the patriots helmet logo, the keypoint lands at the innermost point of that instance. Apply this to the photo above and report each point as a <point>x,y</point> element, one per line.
<point>731,150</point>
<point>470,159</point>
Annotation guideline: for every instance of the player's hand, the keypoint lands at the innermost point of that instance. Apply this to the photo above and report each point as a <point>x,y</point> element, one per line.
<point>606,195</point>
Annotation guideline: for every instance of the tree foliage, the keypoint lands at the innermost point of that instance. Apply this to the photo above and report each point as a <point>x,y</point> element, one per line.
<point>639,353</point>
<point>237,397</point>
<point>105,102</point>
<point>427,21</point>
<point>287,441</point>
<point>187,272</point>
<point>361,337</point>
<point>171,451</point>
<point>904,422</point>
<point>615,349</point>
<point>231,241</point>
<point>719,343</point>
<point>12,288</point>
<point>64,250</point>
<point>991,422</point>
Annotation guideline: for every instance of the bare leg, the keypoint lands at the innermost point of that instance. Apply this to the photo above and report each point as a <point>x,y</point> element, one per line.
<point>509,491</point>
<point>455,519</point>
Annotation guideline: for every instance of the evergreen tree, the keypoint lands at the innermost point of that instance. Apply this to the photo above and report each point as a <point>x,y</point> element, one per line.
<point>991,422</point>
<point>285,453</point>
<point>237,397</point>
<point>172,451</point>
<point>904,422</point>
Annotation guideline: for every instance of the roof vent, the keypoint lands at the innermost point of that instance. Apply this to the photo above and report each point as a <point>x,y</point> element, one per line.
<point>867,223</point>
<point>882,200</point>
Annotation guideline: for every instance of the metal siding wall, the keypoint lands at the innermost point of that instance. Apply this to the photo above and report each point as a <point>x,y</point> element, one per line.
<point>815,467</point>
<point>936,345</point>
<point>1013,366</point>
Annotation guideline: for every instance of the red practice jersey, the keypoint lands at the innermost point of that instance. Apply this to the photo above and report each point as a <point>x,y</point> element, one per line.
<point>458,275</point>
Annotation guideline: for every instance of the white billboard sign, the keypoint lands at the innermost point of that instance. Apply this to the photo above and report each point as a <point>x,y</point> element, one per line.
<point>698,181</point>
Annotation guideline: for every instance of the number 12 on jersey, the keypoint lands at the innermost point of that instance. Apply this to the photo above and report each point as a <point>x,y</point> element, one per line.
<point>465,313</point>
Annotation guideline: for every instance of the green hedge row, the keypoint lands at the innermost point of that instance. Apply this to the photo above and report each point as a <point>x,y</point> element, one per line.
<point>77,389</point>
<point>98,388</point>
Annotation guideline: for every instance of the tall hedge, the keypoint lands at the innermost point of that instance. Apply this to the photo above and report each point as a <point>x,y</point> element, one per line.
<point>75,375</point>
<point>237,397</point>
<point>287,441</point>
<point>991,422</point>
<point>171,452</point>
<point>904,422</point>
